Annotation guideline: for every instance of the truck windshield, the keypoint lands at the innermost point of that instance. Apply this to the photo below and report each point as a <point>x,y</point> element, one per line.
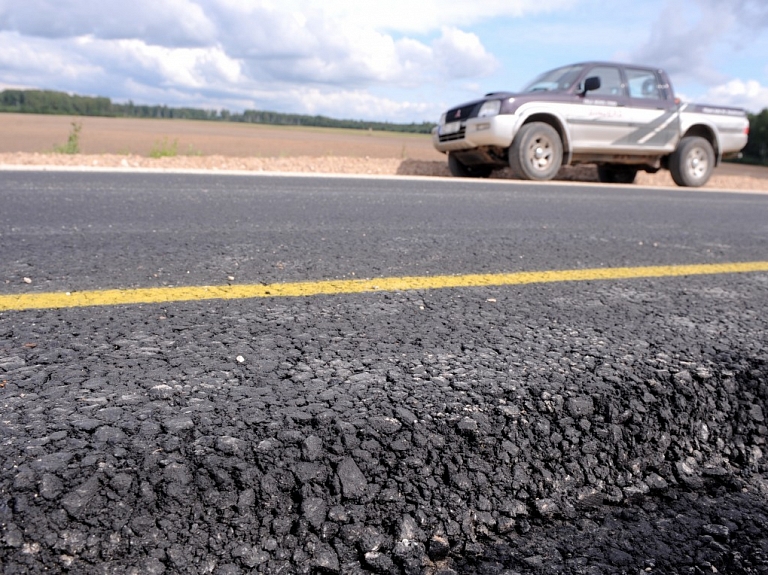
<point>558,80</point>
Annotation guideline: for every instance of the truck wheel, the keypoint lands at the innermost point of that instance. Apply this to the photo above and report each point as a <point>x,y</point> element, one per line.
<point>536,152</point>
<point>692,162</point>
<point>460,170</point>
<point>616,174</point>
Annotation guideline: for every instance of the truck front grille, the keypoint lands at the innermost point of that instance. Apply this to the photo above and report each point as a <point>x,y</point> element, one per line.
<point>455,136</point>
<point>460,114</point>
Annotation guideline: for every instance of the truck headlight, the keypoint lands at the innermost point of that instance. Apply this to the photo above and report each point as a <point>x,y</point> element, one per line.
<point>442,120</point>
<point>489,108</point>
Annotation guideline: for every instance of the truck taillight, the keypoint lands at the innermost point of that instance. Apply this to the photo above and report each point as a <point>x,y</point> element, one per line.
<point>746,131</point>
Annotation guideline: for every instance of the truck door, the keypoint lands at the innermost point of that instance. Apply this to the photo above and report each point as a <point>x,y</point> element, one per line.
<point>652,111</point>
<point>600,117</point>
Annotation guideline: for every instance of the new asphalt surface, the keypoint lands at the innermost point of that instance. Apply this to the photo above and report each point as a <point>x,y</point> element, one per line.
<point>592,427</point>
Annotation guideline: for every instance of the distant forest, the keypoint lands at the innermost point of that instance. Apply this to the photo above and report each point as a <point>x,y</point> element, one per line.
<point>50,102</point>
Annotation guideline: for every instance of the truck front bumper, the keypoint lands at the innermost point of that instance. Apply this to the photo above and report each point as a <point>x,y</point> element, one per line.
<point>496,131</point>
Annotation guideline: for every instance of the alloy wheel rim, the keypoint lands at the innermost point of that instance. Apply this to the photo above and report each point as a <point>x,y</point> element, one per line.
<point>540,153</point>
<point>698,163</point>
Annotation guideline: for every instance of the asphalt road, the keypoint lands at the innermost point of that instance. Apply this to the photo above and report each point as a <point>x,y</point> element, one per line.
<point>72,231</point>
<point>565,427</point>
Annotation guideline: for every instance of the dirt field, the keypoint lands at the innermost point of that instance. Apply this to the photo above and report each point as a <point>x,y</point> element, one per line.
<point>133,136</point>
<point>29,139</point>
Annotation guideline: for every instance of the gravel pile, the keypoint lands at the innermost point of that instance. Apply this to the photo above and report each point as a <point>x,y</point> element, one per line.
<point>335,436</point>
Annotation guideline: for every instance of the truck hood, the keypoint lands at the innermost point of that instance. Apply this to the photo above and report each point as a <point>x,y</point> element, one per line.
<point>510,101</point>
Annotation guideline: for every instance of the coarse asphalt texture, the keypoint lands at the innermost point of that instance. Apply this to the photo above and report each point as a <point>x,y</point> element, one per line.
<point>588,427</point>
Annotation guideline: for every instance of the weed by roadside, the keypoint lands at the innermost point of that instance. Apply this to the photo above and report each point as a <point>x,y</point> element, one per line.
<point>168,149</point>
<point>73,141</point>
<point>165,149</point>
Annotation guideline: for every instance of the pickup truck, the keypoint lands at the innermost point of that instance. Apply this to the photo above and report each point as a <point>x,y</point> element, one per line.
<point>621,117</point>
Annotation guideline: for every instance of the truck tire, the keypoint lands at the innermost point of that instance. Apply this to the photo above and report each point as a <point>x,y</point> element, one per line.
<point>460,170</point>
<point>616,174</point>
<point>692,162</point>
<point>536,152</point>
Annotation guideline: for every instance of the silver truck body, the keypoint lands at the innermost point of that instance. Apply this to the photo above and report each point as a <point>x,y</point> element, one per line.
<point>633,119</point>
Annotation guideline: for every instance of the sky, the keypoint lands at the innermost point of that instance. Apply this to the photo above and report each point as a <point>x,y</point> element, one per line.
<point>389,60</point>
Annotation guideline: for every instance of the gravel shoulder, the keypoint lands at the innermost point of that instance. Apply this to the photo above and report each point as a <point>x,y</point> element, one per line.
<point>727,177</point>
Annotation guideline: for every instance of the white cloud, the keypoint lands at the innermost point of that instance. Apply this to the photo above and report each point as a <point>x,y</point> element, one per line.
<point>179,67</point>
<point>169,23</point>
<point>354,104</point>
<point>749,94</point>
<point>343,49</point>
<point>682,46</point>
<point>368,58</point>
<point>751,16</point>
<point>406,16</point>
<point>684,36</point>
<point>283,25</point>
<point>32,61</point>
<point>461,55</point>
<point>336,57</point>
<point>4,86</point>
<point>237,51</point>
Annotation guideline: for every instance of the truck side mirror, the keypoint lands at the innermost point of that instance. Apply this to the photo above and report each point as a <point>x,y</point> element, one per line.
<point>591,83</point>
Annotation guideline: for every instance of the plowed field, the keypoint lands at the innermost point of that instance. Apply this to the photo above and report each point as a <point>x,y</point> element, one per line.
<point>30,139</point>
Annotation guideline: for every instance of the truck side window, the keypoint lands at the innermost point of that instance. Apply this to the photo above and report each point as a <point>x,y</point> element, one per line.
<point>643,84</point>
<point>610,81</point>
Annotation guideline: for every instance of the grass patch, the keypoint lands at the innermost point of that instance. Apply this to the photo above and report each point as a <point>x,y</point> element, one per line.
<point>73,141</point>
<point>170,149</point>
<point>165,149</point>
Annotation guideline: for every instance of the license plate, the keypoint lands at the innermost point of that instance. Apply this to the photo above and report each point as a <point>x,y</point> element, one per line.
<point>450,128</point>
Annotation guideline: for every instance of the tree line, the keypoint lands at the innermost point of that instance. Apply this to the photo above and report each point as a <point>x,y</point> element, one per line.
<point>756,151</point>
<point>51,102</point>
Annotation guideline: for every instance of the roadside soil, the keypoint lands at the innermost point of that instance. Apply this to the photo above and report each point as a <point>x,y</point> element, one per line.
<point>128,143</point>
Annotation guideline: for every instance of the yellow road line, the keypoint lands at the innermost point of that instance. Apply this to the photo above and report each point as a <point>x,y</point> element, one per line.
<point>302,289</point>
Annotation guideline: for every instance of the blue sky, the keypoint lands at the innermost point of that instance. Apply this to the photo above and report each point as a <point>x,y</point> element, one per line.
<point>395,60</point>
